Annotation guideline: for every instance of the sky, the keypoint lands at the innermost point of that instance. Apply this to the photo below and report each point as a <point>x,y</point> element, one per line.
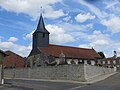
<point>78,23</point>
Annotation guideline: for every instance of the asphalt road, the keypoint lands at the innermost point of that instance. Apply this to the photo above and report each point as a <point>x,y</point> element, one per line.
<point>111,83</point>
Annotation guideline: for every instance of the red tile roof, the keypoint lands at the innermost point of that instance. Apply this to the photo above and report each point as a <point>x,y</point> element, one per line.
<point>70,52</point>
<point>118,57</point>
<point>109,59</point>
<point>13,60</point>
<point>112,58</point>
<point>3,53</point>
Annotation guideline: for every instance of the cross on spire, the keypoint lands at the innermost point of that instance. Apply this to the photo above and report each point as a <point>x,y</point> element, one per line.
<point>41,10</point>
<point>41,27</point>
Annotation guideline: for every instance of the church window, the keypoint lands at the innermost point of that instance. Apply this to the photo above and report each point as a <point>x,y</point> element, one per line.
<point>43,35</point>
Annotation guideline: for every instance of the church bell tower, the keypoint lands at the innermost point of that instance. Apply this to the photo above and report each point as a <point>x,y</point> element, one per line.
<point>40,37</point>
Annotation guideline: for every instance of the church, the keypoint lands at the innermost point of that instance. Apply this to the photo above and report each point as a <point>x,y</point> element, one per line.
<point>45,54</point>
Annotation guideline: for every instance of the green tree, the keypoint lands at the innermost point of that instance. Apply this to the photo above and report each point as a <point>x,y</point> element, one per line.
<point>101,54</point>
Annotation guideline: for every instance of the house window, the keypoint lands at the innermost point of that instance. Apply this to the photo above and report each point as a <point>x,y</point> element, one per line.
<point>114,62</point>
<point>58,61</point>
<point>43,35</point>
<point>76,61</point>
<point>69,61</point>
<point>103,62</point>
<point>85,61</point>
<point>92,62</point>
<point>80,60</point>
<point>72,62</point>
<point>108,62</point>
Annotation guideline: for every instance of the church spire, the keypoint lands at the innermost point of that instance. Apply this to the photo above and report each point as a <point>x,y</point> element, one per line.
<point>40,37</point>
<point>41,27</point>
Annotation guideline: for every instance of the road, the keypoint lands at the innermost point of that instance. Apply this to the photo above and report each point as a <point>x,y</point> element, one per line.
<point>111,83</point>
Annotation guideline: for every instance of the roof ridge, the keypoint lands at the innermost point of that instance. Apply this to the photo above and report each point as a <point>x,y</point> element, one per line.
<point>3,52</point>
<point>13,53</point>
<point>71,47</point>
<point>70,52</point>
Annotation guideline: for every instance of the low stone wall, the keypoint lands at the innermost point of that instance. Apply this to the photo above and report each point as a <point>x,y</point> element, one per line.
<point>66,72</point>
<point>93,71</point>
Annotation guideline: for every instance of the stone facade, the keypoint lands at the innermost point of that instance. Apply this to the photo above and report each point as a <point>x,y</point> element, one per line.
<point>38,60</point>
<point>63,72</point>
<point>45,60</point>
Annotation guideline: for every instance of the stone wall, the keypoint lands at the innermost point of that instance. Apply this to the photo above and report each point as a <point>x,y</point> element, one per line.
<point>66,72</point>
<point>93,71</point>
<point>79,72</point>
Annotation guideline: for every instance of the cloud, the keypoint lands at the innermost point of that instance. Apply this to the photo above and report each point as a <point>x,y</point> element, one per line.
<point>75,27</point>
<point>32,8</point>
<point>12,39</point>
<point>58,35</point>
<point>1,38</point>
<point>49,12</point>
<point>100,42</point>
<point>84,46</point>
<point>112,4</point>
<point>100,37</point>
<point>93,9</point>
<point>67,19</point>
<point>19,49</point>
<point>84,17</point>
<point>28,36</point>
<point>113,24</point>
<point>97,39</point>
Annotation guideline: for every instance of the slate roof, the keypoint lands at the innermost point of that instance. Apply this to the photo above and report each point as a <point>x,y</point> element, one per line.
<point>41,26</point>
<point>13,60</point>
<point>70,52</point>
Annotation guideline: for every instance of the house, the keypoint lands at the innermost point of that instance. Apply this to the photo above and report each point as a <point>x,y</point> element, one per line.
<point>43,53</point>
<point>2,56</point>
<point>13,60</point>
<point>111,62</point>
